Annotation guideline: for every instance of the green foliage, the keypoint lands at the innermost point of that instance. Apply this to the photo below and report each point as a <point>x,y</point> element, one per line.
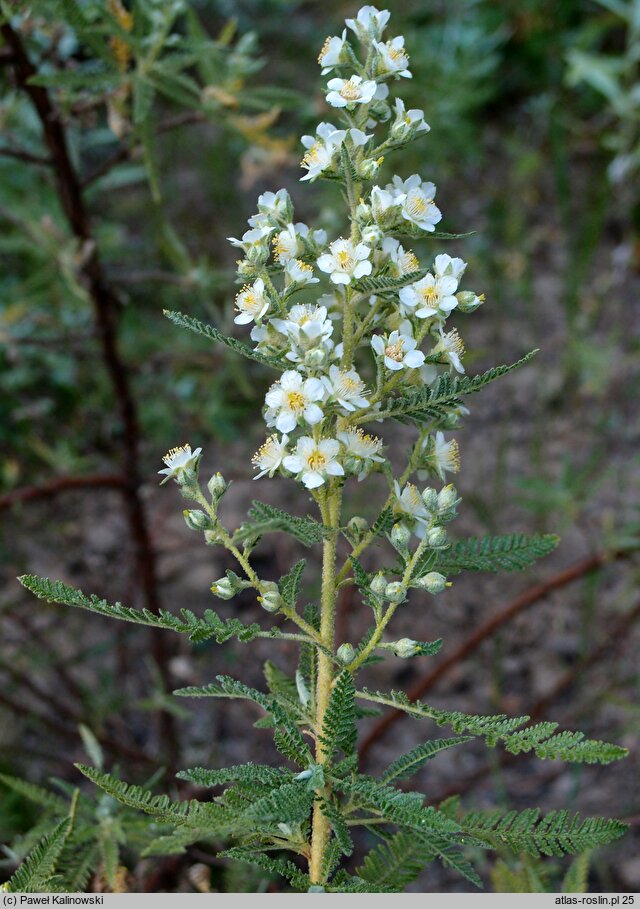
<point>436,401</point>
<point>208,331</point>
<point>38,872</point>
<point>289,585</point>
<point>408,764</point>
<point>568,746</point>
<point>197,629</point>
<point>509,552</point>
<point>339,728</point>
<point>265,518</point>
<point>556,833</point>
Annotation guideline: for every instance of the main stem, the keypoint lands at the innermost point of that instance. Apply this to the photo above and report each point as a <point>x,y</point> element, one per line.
<point>321,828</point>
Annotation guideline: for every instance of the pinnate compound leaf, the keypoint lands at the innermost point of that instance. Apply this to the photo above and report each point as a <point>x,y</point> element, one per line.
<point>214,334</point>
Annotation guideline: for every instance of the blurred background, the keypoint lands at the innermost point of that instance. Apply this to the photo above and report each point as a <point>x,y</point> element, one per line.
<point>124,210</point>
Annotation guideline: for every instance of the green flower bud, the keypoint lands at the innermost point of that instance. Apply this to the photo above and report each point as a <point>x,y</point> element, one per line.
<point>315,358</point>
<point>372,235</point>
<point>346,653</point>
<point>271,601</point>
<point>405,648</point>
<point>357,527</point>
<point>447,498</point>
<point>437,537</point>
<point>213,536</point>
<point>217,486</point>
<point>363,212</point>
<point>395,592</point>
<point>468,301</point>
<point>379,584</point>
<point>400,536</point>
<point>196,520</point>
<point>369,168</point>
<point>223,588</point>
<point>430,499</point>
<point>433,583</point>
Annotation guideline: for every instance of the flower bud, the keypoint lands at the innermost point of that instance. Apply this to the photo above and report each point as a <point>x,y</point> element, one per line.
<point>430,499</point>
<point>436,537</point>
<point>363,211</point>
<point>379,584</point>
<point>395,592</point>
<point>400,536</point>
<point>346,653</point>
<point>271,600</point>
<point>369,168</point>
<point>447,498</point>
<point>405,648</point>
<point>213,536</point>
<point>433,583</point>
<point>245,268</point>
<point>372,235</point>
<point>217,486</point>
<point>223,588</point>
<point>315,358</point>
<point>257,254</point>
<point>468,301</point>
<point>196,519</point>
<point>357,526</point>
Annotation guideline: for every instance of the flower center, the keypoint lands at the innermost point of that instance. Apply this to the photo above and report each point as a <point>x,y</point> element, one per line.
<point>325,48</point>
<point>398,56</point>
<point>395,351</point>
<point>409,262</point>
<point>350,91</point>
<point>418,204</point>
<point>344,259</point>
<point>316,460</point>
<point>282,245</point>
<point>295,401</point>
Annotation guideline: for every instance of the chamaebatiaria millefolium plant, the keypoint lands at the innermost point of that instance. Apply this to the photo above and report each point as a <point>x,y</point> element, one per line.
<point>357,333</point>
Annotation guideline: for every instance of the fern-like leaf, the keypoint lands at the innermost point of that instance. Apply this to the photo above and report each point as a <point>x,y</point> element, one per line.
<point>214,334</point>
<point>339,727</point>
<point>411,762</point>
<point>265,518</point>
<point>510,552</point>
<point>37,873</point>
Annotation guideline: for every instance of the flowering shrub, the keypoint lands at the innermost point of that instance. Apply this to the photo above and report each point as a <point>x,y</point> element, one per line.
<point>368,347</point>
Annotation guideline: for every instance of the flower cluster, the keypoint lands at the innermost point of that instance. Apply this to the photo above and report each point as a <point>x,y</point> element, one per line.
<point>355,321</point>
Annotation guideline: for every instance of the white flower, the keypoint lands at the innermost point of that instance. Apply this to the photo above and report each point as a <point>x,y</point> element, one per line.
<point>410,503</point>
<point>451,348</point>
<point>272,207</point>
<point>360,445</point>
<point>292,400</point>
<point>358,137</point>
<point>369,23</point>
<point>347,388</point>
<point>332,53</point>
<point>444,456</point>
<point>321,149</point>
<point>393,58</point>
<point>383,201</point>
<point>399,349</point>
<point>179,460</point>
<point>408,122</point>
<point>251,303</point>
<point>252,239</point>
<point>287,244</point>
<point>349,92</point>
<point>299,272</point>
<point>445,265</point>
<point>315,461</point>
<point>345,261</point>
<point>305,319</point>
<point>432,296</point>
<point>401,262</point>
<point>270,455</point>
<point>417,202</point>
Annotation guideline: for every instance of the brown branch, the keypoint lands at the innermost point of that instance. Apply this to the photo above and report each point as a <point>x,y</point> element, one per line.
<point>21,154</point>
<point>106,307</point>
<point>469,645</point>
<point>60,484</point>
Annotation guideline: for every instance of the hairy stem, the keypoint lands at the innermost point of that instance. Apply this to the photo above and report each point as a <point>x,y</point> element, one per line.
<point>321,828</point>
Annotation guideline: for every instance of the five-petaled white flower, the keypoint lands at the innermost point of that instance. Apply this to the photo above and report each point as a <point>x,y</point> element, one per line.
<point>362,446</point>
<point>251,303</point>
<point>349,92</point>
<point>321,150</point>
<point>410,503</point>
<point>417,202</point>
<point>408,122</point>
<point>444,457</point>
<point>315,461</point>
<point>332,53</point>
<point>305,323</point>
<point>288,243</point>
<point>451,348</point>
<point>179,460</point>
<point>345,261</point>
<point>299,272</point>
<point>430,296</point>
<point>270,455</point>
<point>347,388</point>
<point>251,239</point>
<point>369,23</point>
<point>401,262</point>
<point>398,349</point>
<point>393,58</point>
<point>271,206</point>
<point>292,400</point>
